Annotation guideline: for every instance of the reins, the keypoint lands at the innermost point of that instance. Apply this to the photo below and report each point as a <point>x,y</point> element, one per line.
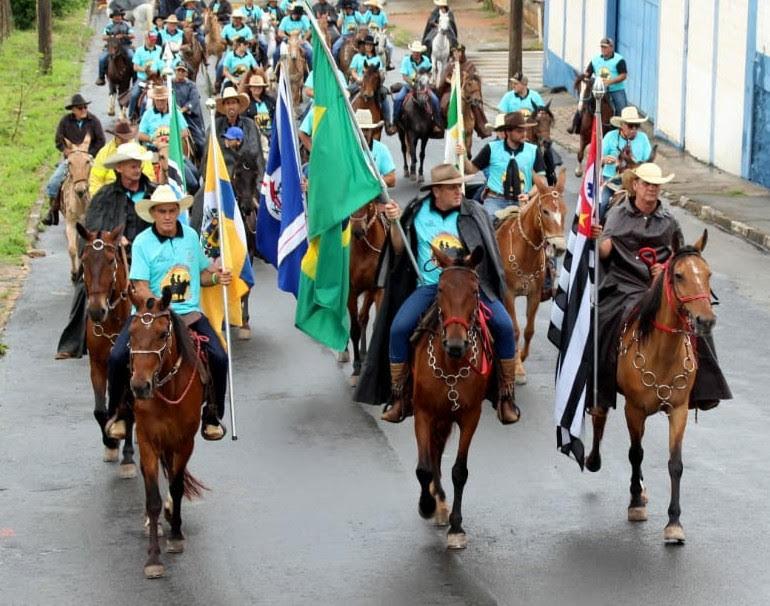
<point>98,245</point>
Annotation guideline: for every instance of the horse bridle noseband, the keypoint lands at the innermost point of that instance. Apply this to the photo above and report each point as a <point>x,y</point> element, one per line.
<point>98,245</point>
<point>356,218</point>
<point>468,326</point>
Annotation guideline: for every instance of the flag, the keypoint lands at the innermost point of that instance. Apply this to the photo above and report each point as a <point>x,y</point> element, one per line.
<point>340,182</point>
<point>218,193</point>
<point>281,225</point>
<point>571,328</point>
<point>176,178</point>
<point>455,129</point>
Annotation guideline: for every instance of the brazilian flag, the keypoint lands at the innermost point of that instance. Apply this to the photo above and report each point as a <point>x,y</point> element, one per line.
<point>340,182</point>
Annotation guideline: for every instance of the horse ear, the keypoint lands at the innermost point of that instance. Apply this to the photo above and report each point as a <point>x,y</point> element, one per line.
<point>548,104</point>
<point>84,233</point>
<point>166,300</point>
<point>653,153</point>
<point>135,299</point>
<point>476,257</point>
<point>68,143</point>
<point>116,233</point>
<point>86,140</point>
<point>701,242</point>
<point>676,243</point>
<point>561,180</point>
<point>441,257</point>
<point>541,183</point>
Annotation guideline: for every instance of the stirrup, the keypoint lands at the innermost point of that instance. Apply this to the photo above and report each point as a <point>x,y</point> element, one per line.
<point>213,433</point>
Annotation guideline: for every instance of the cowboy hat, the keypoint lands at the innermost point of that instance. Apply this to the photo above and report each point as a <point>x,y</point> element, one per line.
<point>163,194</point>
<point>375,3</point>
<point>369,39</point>
<point>231,93</point>
<point>445,174</point>
<point>182,65</point>
<point>122,129</point>
<point>364,119</point>
<point>518,77</point>
<point>117,11</point>
<point>499,123</point>
<point>440,2</point>
<point>237,14</point>
<point>607,42</point>
<point>77,99</point>
<point>629,115</point>
<point>171,19</point>
<point>126,152</point>
<point>649,172</point>
<point>514,120</point>
<point>158,92</point>
<point>257,80</point>
<point>416,47</point>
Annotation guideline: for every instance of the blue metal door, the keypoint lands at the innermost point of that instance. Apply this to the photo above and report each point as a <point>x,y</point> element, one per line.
<point>759,170</point>
<point>637,42</point>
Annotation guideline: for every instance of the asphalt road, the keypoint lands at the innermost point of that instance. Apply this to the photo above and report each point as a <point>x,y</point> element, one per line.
<point>316,503</point>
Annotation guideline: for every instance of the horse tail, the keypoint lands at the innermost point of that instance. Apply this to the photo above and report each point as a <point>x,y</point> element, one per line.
<point>193,487</point>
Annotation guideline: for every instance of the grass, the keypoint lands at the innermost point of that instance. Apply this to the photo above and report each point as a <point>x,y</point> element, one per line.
<point>30,108</point>
<point>400,36</point>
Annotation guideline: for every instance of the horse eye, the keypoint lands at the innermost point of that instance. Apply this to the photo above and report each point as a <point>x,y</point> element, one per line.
<point>679,276</point>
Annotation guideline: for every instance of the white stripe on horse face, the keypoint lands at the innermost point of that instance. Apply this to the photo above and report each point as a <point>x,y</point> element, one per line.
<point>557,217</point>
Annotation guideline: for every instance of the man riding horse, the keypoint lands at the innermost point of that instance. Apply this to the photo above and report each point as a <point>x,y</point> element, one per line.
<point>375,18</point>
<point>348,23</point>
<point>413,64</point>
<point>190,13</point>
<point>147,62</point>
<point>323,10</point>
<point>159,115</point>
<point>358,66</point>
<point>448,221</point>
<point>431,27</point>
<point>116,28</point>
<point>189,103</point>
<point>295,21</point>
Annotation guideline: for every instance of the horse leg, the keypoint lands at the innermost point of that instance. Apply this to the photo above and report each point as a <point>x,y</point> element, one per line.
<point>677,421</point>
<point>413,142</point>
<point>244,332</point>
<point>441,433</point>
<point>72,247</point>
<point>533,302</point>
<point>355,332</point>
<point>635,419</point>
<point>424,143</point>
<point>422,430</point>
<point>363,318</point>
<point>177,466</point>
<point>456,538</point>
<point>519,372</point>
<point>111,102</point>
<point>127,465</point>
<point>599,419</point>
<point>581,151</point>
<point>403,140</point>
<point>99,385</point>
<point>153,568</point>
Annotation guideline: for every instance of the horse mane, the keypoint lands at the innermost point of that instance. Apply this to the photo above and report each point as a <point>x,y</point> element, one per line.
<point>184,343</point>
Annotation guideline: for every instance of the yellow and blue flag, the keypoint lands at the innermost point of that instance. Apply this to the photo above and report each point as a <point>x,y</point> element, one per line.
<point>227,225</point>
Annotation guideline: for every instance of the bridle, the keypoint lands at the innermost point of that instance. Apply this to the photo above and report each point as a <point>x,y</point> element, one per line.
<point>99,245</point>
<point>358,219</point>
<point>74,182</point>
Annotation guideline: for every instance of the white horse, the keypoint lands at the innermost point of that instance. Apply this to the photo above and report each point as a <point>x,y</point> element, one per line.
<point>380,43</point>
<point>440,48</point>
<point>267,35</point>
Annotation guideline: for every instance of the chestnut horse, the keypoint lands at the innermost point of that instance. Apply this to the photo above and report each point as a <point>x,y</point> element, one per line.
<point>297,67</point>
<point>586,107</point>
<point>168,381</point>
<point>451,367</point>
<point>369,233</point>
<point>191,52</point>
<point>473,109</point>
<point>626,163</point>
<point>368,95</point>
<point>523,237</point>
<point>656,370</point>
<point>75,197</point>
<point>215,45</point>
<point>349,50</point>
<point>105,274</point>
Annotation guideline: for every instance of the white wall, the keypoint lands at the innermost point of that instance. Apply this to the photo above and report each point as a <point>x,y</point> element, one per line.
<point>671,54</point>
<point>574,32</point>
<point>763,27</point>
<point>555,26</point>
<point>699,78</point>
<point>595,27</point>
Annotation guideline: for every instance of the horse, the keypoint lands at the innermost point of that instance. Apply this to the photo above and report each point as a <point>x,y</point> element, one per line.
<point>105,275</point>
<point>369,234</point>
<point>75,197</point>
<point>191,51</point>
<point>523,237</point>
<point>440,48</point>
<point>368,95</point>
<point>215,45</point>
<point>451,374</point>
<point>168,381</point>
<point>415,124</point>
<point>656,370</point>
<point>349,50</point>
<point>296,65</point>
<point>540,135</point>
<point>119,72</point>
<point>626,163</point>
<point>380,42</point>
<point>586,107</point>
<point>267,27</point>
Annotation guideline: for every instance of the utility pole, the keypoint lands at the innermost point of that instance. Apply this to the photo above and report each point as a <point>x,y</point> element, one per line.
<point>44,39</point>
<point>515,38</point>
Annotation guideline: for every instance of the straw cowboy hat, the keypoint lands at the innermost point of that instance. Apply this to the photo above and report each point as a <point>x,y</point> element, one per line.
<point>649,172</point>
<point>171,19</point>
<point>364,120</point>
<point>158,92</point>
<point>231,93</point>
<point>256,80</point>
<point>513,120</point>
<point>122,129</point>
<point>417,47</point>
<point>237,14</point>
<point>629,115</point>
<point>440,2</point>
<point>126,152</point>
<point>77,99</point>
<point>445,174</point>
<point>375,3</point>
<point>499,123</point>
<point>163,194</point>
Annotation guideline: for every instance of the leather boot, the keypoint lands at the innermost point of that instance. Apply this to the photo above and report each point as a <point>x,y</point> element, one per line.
<point>52,218</point>
<point>507,411</point>
<point>574,129</point>
<point>399,406</point>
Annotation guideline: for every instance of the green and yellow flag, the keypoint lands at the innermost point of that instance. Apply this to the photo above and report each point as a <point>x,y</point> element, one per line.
<point>455,129</point>
<point>340,182</point>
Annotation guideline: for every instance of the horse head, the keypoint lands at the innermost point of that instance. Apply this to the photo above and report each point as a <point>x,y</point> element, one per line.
<point>293,44</point>
<point>553,210</point>
<point>371,83</point>
<point>472,96</point>
<point>114,47</point>
<point>687,285</point>
<point>244,178</point>
<point>102,273</point>
<point>545,119</point>
<point>443,22</point>
<point>458,299</point>
<point>79,163</point>
<point>362,220</point>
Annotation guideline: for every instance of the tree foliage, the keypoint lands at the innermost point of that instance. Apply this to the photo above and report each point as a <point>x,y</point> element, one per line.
<point>24,11</point>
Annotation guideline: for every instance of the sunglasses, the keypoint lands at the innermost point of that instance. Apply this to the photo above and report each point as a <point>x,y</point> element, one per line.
<point>633,126</point>
<point>79,107</point>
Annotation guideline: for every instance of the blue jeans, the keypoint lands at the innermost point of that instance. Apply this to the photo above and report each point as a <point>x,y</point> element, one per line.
<point>408,316</point>
<point>136,91</point>
<point>619,100</point>
<point>493,203</point>
<point>398,101</point>
<point>305,46</point>
<point>337,46</point>
<point>104,58</point>
<point>56,180</point>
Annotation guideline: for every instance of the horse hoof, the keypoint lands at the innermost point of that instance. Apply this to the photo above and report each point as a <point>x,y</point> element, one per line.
<point>74,277</point>
<point>127,471</point>
<point>111,112</point>
<point>578,172</point>
<point>413,177</point>
<point>244,334</point>
<point>110,455</point>
<point>673,534</point>
<point>456,540</point>
<point>420,178</point>
<point>154,571</point>
<point>441,519</point>
<point>637,514</point>
<point>175,545</point>
<point>343,357</point>
<point>521,379</point>
<point>593,463</point>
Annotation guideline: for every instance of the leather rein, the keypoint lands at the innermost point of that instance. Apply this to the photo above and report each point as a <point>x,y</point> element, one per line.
<point>99,245</point>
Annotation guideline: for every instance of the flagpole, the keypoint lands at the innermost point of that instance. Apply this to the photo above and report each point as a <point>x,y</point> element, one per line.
<point>368,152</point>
<point>598,93</point>
<point>211,104</point>
<point>458,84</point>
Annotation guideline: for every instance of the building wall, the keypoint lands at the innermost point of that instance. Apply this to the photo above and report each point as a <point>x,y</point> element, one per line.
<point>671,72</point>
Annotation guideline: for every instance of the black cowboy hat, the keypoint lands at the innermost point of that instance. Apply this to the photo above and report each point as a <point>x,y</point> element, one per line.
<point>77,99</point>
<point>117,11</point>
<point>369,39</point>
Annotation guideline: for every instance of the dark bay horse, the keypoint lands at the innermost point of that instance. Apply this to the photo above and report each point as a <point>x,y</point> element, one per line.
<point>119,72</point>
<point>540,135</point>
<point>168,381</point>
<point>523,237</point>
<point>586,107</point>
<point>191,51</point>
<point>627,163</point>
<point>451,371</point>
<point>472,107</point>
<point>369,233</point>
<point>656,370</point>
<point>415,125</point>
<point>105,274</point>
<point>368,97</point>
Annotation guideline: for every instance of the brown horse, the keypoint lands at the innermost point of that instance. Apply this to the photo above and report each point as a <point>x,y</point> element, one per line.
<point>540,135</point>
<point>586,107</point>
<point>415,125</point>
<point>168,382</point>
<point>297,67</point>
<point>627,163</point>
<point>215,45</point>
<point>656,370</point>
<point>349,50</point>
<point>105,274</point>
<point>119,72</point>
<point>368,95</point>
<point>75,197</point>
<point>451,373</point>
<point>191,51</point>
<point>472,107</point>
<point>523,237</point>
<point>369,234</point>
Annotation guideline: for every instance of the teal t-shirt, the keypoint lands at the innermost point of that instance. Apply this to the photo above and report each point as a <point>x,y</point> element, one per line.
<point>360,62</point>
<point>383,158</point>
<point>288,25</point>
<point>350,23</point>
<point>177,37</point>
<point>144,57</point>
<point>175,262</point>
<point>499,158</point>
<point>233,61</point>
<point>229,33</point>
<point>608,69</point>
<point>152,120</point>
<point>253,13</point>
<point>380,20</point>
<point>410,68</point>
<point>613,143</point>
<point>511,102</point>
<point>437,229</point>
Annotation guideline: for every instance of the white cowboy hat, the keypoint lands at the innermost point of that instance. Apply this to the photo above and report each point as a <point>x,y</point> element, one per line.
<point>237,14</point>
<point>375,3</point>
<point>126,152</point>
<point>629,115</point>
<point>440,2</point>
<point>417,47</point>
<point>231,93</point>
<point>649,172</point>
<point>171,19</point>
<point>163,194</point>
<point>364,119</point>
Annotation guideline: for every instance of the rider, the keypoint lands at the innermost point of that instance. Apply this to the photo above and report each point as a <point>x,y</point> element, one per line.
<point>171,251</point>
<point>237,29</point>
<point>627,134</point>
<point>261,106</point>
<point>171,34</point>
<point>147,60</point>
<point>295,21</point>
<point>375,16</point>
<point>100,176</point>
<point>445,219</point>
<point>641,220</point>
<point>381,154</point>
<point>252,13</point>
<point>159,116</point>
<point>73,127</point>
<point>323,10</point>
<point>520,97</point>
<point>238,62</point>
<point>230,107</point>
<point>222,9</point>
<point>413,64</point>
<point>121,29</point>
<point>189,103</point>
<point>358,66</point>
<point>190,12</point>
<point>431,27</point>
<point>348,22</point>
<point>276,11</point>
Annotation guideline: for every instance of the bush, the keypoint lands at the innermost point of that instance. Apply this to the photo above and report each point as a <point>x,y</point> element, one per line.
<point>24,10</point>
